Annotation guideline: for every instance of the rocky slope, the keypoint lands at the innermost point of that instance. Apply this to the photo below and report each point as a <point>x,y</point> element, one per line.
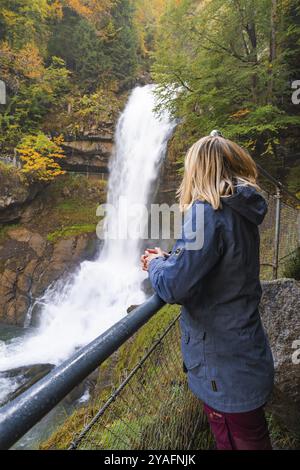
<point>32,265</point>
<point>16,193</point>
<point>49,238</point>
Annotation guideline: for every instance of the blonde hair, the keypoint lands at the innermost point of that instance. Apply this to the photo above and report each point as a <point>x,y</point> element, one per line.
<point>213,166</point>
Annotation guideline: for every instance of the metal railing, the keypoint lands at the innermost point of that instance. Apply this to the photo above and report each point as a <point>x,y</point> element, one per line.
<point>152,408</point>
<point>21,414</point>
<point>146,404</point>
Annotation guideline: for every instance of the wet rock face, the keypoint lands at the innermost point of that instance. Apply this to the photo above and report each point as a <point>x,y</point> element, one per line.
<point>25,377</point>
<point>15,194</point>
<point>89,153</point>
<point>169,180</point>
<point>280,312</point>
<point>31,264</point>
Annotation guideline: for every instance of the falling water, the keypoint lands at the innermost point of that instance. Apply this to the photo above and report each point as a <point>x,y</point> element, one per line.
<point>99,293</point>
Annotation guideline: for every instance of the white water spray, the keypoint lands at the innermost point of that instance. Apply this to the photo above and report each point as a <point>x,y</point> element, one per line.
<point>101,291</point>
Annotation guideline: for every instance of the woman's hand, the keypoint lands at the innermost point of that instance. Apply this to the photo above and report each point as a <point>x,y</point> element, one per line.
<point>151,254</point>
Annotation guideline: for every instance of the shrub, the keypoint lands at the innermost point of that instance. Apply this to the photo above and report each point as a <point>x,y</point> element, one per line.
<point>292,267</point>
<point>40,156</point>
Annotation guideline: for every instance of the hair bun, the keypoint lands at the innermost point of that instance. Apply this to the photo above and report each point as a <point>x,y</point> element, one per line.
<point>216,133</point>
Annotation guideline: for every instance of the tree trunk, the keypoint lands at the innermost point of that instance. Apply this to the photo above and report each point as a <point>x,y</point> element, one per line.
<point>251,31</point>
<point>273,50</point>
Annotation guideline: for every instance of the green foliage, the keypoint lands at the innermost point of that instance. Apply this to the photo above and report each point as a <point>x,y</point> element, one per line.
<point>290,40</point>
<point>71,231</point>
<point>216,69</point>
<point>123,45</point>
<point>147,17</point>
<point>97,56</point>
<point>294,180</point>
<point>75,40</point>
<point>292,266</point>
<point>22,21</point>
<point>88,110</point>
<point>26,110</point>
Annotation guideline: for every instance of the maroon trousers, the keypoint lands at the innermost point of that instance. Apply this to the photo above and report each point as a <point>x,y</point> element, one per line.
<point>239,431</point>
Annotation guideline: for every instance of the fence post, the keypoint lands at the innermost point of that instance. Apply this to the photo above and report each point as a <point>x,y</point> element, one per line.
<point>277,232</point>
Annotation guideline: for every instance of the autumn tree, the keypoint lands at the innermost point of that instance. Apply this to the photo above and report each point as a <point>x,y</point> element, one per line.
<point>34,96</point>
<point>97,12</point>
<point>57,52</point>
<point>24,21</point>
<point>41,156</point>
<point>98,47</point>
<point>147,18</point>
<point>75,40</point>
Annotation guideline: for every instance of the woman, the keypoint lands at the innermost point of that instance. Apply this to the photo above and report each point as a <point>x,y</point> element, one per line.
<point>225,350</point>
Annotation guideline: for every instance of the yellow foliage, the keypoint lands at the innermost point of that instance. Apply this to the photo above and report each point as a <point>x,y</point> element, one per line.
<point>90,9</point>
<point>56,9</point>
<point>29,62</point>
<point>241,113</point>
<point>39,155</point>
<point>80,6</point>
<point>147,17</point>
<point>26,62</point>
<point>7,58</point>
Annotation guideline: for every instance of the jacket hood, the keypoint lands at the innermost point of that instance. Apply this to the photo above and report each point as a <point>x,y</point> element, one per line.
<point>249,203</point>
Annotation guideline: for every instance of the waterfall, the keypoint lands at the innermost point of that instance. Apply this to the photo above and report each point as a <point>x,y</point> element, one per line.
<point>97,296</point>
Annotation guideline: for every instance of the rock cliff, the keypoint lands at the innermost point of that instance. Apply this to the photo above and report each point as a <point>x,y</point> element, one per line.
<point>280,311</point>
<point>31,264</point>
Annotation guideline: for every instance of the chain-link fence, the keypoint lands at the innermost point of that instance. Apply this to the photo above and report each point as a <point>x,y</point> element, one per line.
<point>279,234</point>
<point>151,408</point>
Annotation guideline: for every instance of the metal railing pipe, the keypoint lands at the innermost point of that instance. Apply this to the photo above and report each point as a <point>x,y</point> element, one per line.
<point>21,414</point>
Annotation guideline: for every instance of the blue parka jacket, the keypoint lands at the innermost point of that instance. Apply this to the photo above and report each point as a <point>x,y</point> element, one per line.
<point>224,346</point>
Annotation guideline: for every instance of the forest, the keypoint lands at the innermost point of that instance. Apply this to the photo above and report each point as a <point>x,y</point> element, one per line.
<point>232,65</point>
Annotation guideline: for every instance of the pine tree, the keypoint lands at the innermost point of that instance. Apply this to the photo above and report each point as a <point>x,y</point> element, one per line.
<point>123,44</point>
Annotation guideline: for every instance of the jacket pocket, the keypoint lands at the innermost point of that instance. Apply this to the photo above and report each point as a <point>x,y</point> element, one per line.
<point>211,365</point>
<point>192,347</point>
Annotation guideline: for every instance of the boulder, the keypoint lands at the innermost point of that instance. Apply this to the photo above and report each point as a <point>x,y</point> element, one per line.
<point>280,312</point>
<point>16,192</point>
<point>25,377</point>
<point>20,235</point>
<point>35,241</point>
<point>38,244</point>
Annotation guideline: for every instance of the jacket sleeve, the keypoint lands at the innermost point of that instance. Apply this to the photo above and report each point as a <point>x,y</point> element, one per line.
<point>173,278</point>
